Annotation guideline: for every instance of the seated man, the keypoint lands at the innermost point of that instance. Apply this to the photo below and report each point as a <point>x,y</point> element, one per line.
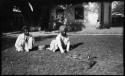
<point>24,41</point>
<point>61,42</point>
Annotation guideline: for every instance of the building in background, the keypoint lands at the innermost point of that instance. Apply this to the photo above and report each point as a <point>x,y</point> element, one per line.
<point>44,15</point>
<point>85,15</point>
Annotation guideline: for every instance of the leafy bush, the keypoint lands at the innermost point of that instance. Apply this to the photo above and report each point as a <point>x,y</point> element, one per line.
<point>75,26</point>
<point>35,28</point>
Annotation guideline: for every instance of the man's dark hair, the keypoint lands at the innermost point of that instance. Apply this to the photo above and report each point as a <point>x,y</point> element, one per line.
<point>25,28</point>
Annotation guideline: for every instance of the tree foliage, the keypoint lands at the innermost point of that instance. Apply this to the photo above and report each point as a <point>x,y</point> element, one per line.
<point>118,6</point>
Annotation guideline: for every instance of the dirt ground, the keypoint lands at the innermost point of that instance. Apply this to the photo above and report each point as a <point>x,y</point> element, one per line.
<point>107,50</point>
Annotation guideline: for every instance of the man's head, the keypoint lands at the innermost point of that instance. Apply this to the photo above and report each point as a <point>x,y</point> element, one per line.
<point>62,30</point>
<point>25,30</point>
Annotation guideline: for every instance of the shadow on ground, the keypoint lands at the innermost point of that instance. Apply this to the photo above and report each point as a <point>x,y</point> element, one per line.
<point>73,46</point>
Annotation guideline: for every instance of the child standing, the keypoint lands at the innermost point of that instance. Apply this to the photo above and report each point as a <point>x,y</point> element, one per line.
<point>61,42</point>
<point>24,41</point>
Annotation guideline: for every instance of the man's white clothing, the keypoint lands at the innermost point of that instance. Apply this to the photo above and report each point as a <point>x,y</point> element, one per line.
<point>59,42</point>
<point>24,42</point>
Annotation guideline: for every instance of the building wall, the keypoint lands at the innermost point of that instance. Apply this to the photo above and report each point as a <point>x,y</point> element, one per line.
<point>92,12</point>
<point>106,20</point>
<point>107,13</point>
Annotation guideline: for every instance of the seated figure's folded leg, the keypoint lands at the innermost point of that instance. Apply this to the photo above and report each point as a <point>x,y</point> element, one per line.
<point>19,48</point>
<point>30,43</point>
<point>53,46</point>
<point>68,46</point>
<point>26,47</point>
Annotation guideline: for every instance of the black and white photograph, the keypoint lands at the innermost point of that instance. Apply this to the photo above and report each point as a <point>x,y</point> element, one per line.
<point>62,37</point>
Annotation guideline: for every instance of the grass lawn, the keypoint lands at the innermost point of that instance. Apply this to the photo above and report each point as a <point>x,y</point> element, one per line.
<point>108,51</point>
